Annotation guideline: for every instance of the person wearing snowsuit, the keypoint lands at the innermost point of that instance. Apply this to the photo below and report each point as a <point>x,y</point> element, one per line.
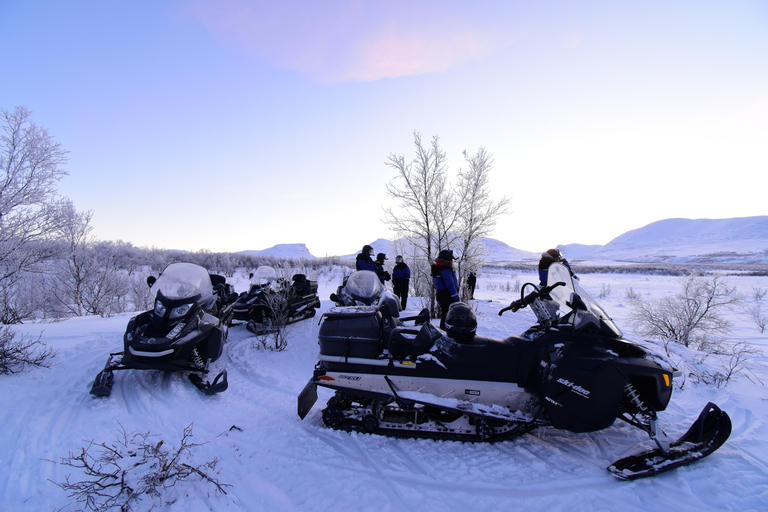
<point>445,283</point>
<point>364,260</point>
<point>401,279</point>
<point>379,267</point>
<point>471,282</point>
<point>547,259</point>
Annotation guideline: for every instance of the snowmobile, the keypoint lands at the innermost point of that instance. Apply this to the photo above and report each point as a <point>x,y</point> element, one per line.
<point>572,370</point>
<point>266,292</point>
<point>360,288</point>
<point>185,331</point>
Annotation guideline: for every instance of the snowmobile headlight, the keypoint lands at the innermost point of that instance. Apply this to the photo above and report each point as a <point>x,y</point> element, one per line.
<point>180,311</point>
<point>159,309</point>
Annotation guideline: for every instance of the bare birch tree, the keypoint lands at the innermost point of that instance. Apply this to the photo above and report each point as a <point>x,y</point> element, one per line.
<point>420,186</point>
<point>478,214</point>
<point>30,213</point>
<point>434,215</point>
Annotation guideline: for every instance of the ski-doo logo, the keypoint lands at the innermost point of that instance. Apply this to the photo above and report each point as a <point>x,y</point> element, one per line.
<point>575,388</point>
<point>349,377</point>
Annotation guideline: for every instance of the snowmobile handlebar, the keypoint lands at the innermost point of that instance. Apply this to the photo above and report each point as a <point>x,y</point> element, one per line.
<point>522,302</point>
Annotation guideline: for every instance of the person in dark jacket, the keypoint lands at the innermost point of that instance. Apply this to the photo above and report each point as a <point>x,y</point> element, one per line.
<point>547,259</point>
<point>445,283</point>
<point>379,267</point>
<point>401,279</point>
<point>364,260</point>
<point>471,282</point>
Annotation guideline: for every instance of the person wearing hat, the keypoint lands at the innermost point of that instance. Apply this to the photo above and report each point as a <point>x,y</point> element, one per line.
<point>547,259</point>
<point>379,267</point>
<point>445,282</point>
<point>401,279</point>
<point>364,260</point>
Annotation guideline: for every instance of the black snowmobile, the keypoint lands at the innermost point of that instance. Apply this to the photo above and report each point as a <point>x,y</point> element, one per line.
<point>185,331</point>
<point>360,288</point>
<point>297,300</point>
<point>572,371</point>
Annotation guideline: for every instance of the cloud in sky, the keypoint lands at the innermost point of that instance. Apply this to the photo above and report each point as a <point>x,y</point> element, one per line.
<point>352,40</point>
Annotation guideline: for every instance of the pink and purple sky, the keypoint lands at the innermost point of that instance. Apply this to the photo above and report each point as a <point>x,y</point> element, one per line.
<point>202,124</point>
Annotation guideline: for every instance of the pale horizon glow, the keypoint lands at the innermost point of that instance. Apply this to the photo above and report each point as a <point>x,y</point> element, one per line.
<point>195,124</point>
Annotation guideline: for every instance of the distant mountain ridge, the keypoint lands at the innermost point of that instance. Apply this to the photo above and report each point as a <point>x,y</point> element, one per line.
<point>736,240</point>
<point>296,251</point>
<point>743,239</point>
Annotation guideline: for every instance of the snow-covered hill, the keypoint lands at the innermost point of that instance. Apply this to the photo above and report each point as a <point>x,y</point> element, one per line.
<point>685,240</point>
<point>738,240</point>
<point>295,251</point>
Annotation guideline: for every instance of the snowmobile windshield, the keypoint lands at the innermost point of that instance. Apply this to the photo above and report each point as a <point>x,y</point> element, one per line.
<point>564,295</point>
<point>183,281</point>
<point>264,276</point>
<point>364,286</point>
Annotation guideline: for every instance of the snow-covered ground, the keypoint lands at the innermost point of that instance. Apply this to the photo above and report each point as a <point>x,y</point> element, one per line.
<point>274,461</point>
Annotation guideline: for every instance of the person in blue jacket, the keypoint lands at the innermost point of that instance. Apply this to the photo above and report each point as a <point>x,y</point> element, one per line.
<point>364,260</point>
<point>401,279</point>
<point>547,259</point>
<point>445,282</point>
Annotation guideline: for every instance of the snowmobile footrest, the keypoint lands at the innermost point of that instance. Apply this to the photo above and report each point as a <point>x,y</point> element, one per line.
<point>706,435</point>
<point>218,385</point>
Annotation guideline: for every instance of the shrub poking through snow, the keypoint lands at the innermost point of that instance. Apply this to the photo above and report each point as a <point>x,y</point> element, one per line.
<point>132,467</point>
<point>17,353</point>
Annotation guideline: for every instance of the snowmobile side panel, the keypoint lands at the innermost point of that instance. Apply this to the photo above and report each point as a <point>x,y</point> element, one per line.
<point>583,399</point>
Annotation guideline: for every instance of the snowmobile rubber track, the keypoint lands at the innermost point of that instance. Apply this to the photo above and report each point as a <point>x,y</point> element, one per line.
<point>353,426</point>
<point>706,435</point>
<point>334,417</point>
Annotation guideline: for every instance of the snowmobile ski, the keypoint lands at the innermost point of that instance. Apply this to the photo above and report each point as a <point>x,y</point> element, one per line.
<point>706,435</point>
<point>218,385</point>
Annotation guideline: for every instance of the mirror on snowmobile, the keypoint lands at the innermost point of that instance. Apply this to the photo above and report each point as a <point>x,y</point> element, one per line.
<point>576,302</point>
<point>151,280</point>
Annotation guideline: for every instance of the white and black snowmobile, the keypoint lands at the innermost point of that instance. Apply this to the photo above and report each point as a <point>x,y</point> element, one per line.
<point>572,371</point>
<point>185,331</point>
<point>296,301</point>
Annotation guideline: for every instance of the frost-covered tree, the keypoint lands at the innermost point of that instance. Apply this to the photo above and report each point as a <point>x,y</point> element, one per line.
<point>421,188</point>
<point>86,278</point>
<point>479,213</point>
<point>693,317</point>
<point>433,214</point>
<point>30,211</point>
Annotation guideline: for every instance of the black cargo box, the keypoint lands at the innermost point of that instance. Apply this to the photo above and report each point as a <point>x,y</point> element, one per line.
<point>351,332</point>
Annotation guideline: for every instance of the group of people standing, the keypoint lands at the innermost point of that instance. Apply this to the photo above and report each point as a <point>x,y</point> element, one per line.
<point>444,277</point>
<point>401,273</point>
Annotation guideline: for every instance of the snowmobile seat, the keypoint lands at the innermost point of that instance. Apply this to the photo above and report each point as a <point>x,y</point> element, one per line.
<point>410,341</point>
<point>390,316</point>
